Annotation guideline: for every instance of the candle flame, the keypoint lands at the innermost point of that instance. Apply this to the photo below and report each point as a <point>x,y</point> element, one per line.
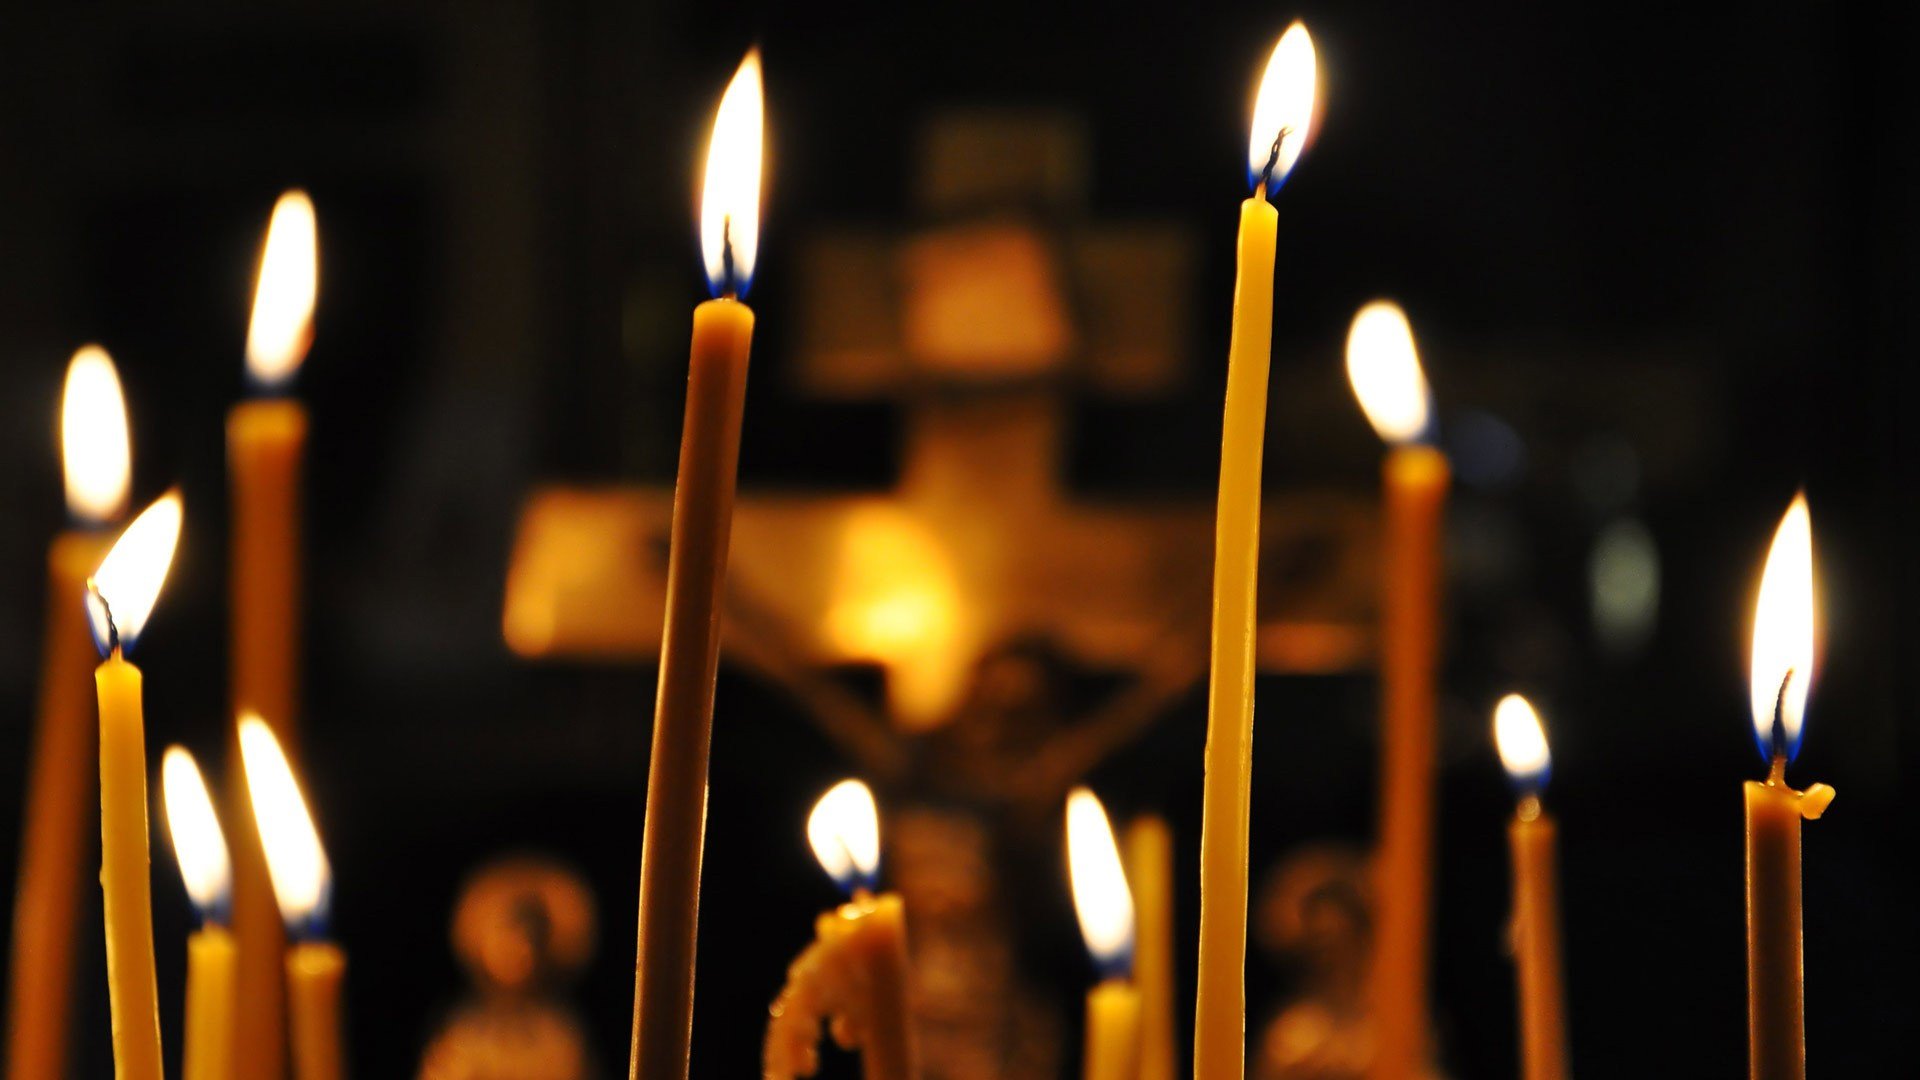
<point>1384,367</point>
<point>1283,110</point>
<point>730,197</point>
<point>283,293</point>
<point>297,864</point>
<point>844,830</point>
<point>1100,894</point>
<point>122,592</point>
<point>1522,742</point>
<point>198,844</point>
<point>1784,619</point>
<point>94,447</point>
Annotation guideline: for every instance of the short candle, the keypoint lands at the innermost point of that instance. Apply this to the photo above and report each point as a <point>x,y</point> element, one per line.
<point>1104,905</point>
<point>201,850</point>
<point>1531,837</point>
<point>854,976</point>
<point>303,888</point>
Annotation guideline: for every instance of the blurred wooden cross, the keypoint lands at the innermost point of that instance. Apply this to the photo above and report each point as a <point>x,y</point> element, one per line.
<point>983,327</point>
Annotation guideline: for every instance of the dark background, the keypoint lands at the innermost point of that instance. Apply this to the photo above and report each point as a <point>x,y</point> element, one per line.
<point>1559,194</point>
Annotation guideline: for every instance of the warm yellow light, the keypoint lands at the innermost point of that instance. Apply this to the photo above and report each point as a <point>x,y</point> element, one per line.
<point>128,581</point>
<point>302,880</point>
<point>895,598</point>
<point>1283,109</point>
<point>1384,367</point>
<point>1521,740</point>
<point>198,844</point>
<point>283,293</point>
<point>1783,634</point>
<point>94,447</point>
<point>844,830</point>
<point>1100,894</point>
<point>730,197</point>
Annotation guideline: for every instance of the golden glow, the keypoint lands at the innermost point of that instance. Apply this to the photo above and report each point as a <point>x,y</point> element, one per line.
<point>1384,367</point>
<point>129,578</point>
<point>844,830</point>
<point>297,864</point>
<point>283,293</point>
<point>198,844</point>
<point>730,196</point>
<point>94,448</point>
<point>1285,103</point>
<point>1522,742</point>
<point>1100,894</point>
<point>895,600</point>
<point>1783,631</point>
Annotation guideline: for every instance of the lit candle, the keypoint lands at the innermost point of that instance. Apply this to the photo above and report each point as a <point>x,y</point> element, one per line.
<point>303,888</point>
<point>696,570</point>
<point>1385,370</point>
<point>201,850</point>
<point>854,975</point>
<point>1149,847</point>
<point>120,596</point>
<point>1780,676</point>
<point>266,446</point>
<point>1105,906</point>
<point>1536,897</point>
<point>53,846</point>
<point>1283,115</point>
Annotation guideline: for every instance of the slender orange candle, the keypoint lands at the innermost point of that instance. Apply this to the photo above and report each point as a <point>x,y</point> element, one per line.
<point>54,846</point>
<point>1149,849</point>
<point>1385,370</point>
<point>676,820</point>
<point>201,850</point>
<point>119,597</point>
<point>854,976</point>
<point>1780,677</point>
<point>1104,905</point>
<point>1536,895</point>
<point>266,448</point>
<point>1282,121</point>
<point>314,968</point>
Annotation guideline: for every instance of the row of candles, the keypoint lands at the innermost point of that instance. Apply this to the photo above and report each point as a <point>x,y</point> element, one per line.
<point>855,973</point>
<point>246,987</point>
<point>849,975</point>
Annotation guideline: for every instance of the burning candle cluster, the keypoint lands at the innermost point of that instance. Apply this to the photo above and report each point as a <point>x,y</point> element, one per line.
<point>265,982</point>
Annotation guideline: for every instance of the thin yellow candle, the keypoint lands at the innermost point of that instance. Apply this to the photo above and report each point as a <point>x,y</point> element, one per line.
<point>266,447</point>
<point>201,850</point>
<point>676,816</point>
<point>1536,895</point>
<point>1282,120</point>
<point>313,967</point>
<point>1385,370</point>
<point>119,597</point>
<point>1149,850</point>
<point>1780,676</point>
<point>54,847</point>
<point>853,976</point>
<point>1104,905</point>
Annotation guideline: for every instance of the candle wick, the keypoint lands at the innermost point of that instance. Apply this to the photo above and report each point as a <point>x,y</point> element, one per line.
<point>95,596</point>
<point>1273,162</point>
<point>726,255</point>
<point>1529,809</point>
<point>1777,733</point>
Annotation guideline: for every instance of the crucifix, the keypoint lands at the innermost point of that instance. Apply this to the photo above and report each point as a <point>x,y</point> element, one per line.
<point>980,570</point>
